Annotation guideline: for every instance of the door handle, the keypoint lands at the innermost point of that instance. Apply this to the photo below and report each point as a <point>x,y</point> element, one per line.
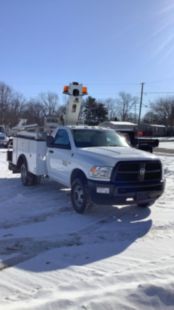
<point>51,151</point>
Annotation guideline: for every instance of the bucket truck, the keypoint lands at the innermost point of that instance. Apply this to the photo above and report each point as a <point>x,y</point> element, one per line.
<point>94,162</point>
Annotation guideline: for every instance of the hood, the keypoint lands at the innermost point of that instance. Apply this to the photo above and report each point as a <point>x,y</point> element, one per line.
<point>112,154</point>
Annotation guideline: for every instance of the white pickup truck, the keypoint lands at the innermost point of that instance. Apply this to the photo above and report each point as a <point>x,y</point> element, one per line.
<point>96,163</point>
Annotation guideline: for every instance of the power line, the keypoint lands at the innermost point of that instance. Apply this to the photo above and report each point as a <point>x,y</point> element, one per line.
<point>160,81</point>
<point>159,92</point>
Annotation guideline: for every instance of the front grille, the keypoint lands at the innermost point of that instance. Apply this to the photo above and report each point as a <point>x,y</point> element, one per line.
<point>126,190</point>
<point>131,172</point>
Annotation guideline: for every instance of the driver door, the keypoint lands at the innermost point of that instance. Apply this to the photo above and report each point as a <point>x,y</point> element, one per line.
<point>59,158</point>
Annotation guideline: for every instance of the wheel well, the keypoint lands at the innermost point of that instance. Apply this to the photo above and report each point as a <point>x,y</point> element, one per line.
<point>21,160</point>
<point>77,173</point>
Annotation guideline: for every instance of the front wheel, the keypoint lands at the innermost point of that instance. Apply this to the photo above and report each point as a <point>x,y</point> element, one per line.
<point>145,204</point>
<point>79,195</point>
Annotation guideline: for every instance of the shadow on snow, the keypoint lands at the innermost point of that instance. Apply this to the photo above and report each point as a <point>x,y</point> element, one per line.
<point>102,232</point>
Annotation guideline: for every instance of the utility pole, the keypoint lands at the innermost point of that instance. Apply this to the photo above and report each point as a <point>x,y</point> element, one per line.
<point>141,102</point>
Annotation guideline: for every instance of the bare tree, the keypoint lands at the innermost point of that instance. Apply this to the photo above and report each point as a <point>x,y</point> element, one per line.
<point>125,104</point>
<point>10,105</point>
<point>5,98</point>
<point>34,112</point>
<point>163,111</point>
<point>15,108</point>
<point>110,104</point>
<point>151,118</point>
<point>50,102</point>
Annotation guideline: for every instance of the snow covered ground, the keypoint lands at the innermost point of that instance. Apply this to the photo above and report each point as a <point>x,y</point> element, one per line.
<point>167,145</point>
<point>111,258</point>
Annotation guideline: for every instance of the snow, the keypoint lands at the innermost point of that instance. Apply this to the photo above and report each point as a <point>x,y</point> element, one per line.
<point>167,145</point>
<point>107,259</point>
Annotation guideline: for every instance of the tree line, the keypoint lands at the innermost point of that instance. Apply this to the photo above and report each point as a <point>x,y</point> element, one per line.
<point>14,106</point>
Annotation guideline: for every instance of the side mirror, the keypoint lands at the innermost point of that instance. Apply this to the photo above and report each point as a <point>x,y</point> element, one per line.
<point>50,141</point>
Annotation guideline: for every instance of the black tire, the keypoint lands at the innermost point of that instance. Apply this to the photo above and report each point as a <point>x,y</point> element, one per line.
<point>36,179</point>
<point>79,195</point>
<point>145,204</point>
<point>27,178</point>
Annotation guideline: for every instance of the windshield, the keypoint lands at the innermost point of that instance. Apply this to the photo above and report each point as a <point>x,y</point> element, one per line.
<point>92,138</point>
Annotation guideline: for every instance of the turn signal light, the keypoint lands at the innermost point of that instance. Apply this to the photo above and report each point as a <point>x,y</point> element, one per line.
<point>66,89</point>
<point>84,90</point>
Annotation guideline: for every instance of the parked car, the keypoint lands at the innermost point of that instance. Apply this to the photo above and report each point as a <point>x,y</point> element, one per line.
<point>4,140</point>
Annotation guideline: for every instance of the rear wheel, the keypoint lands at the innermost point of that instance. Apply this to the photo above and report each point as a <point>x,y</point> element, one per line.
<point>79,195</point>
<point>27,178</point>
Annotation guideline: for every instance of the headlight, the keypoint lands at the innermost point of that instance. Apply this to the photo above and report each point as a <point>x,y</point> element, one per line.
<point>100,172</point>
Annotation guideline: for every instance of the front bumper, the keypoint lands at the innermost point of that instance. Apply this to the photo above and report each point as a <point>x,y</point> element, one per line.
<point>112,193</point>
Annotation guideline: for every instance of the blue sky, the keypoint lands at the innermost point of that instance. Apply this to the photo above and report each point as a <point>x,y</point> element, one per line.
<point>108,45</point>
